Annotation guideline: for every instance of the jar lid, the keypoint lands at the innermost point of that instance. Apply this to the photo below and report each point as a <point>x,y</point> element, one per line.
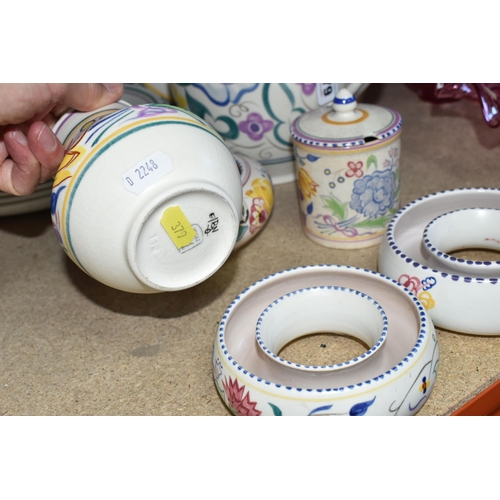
<point>346,124</point>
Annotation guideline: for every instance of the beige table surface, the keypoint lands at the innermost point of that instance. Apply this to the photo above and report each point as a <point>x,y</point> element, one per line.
<point>72,346</point>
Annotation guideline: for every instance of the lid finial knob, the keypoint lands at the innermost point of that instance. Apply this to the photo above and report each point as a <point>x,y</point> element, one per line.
<point>344,102</point>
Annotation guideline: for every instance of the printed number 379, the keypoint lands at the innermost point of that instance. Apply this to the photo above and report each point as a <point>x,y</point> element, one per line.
<point>179,230</point>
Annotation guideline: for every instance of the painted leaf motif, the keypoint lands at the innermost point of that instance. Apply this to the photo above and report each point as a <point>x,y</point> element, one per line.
<point>233,131</point>
<point>360,409</point>
<point>241,231</point>
<point>280,93</point>
<point>312,158</point>
<point>53,199</point>
<point>336,207</point>
<point>372,160</point>
<point>379,222</point>
<point>196,106</point>
<point>320,408</point>
<point>276,410</point>
<point>436,365</point>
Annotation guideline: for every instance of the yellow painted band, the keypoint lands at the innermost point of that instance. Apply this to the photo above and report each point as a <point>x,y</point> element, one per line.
<point>363,117</point>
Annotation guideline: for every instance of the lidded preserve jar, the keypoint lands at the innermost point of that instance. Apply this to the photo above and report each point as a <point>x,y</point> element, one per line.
<point>347,163</point>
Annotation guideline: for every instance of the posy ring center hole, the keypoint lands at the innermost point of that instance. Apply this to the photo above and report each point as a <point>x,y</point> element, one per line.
<point>325,309</point>
<point>467,231</point>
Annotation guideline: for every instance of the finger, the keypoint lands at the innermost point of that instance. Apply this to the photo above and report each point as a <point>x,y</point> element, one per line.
<point>87,96</point>
<point>46,148</point>
<point>20,102</point>
<point>5,182</point>
<point>3,148</point>
<point>19,174</point>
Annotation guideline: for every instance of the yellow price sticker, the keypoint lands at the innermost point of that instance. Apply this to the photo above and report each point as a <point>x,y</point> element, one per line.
<point>177,226</point>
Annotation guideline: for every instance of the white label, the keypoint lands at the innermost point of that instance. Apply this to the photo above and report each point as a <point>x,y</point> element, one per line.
<point>326,92</point>
<point>147,172</point>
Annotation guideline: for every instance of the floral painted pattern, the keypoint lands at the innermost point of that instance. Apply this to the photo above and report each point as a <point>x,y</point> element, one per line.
<point>308,88</point>
<point>258,199</point>
<point>424,385</point>
<point>411,282</point>
<point>238,400</point>
<point>427,301</point>
<point>354,169</point>
<point>428,283</point>
<point>373,195</point>
<point>255,126</point>
<point>258,215</point>
<point>262,188</point>
<point>420,288</point>
<point>357,410</point>
<point>307,186</point>
<point>415,285</point>
<point>224,93</point>
<point>337,222</point>
<point>393,161</point>
<point>151,110</point>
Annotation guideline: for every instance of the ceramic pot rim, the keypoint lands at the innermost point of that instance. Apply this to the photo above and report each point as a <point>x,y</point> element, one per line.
<point>393,246</point>
<point>390,132</point>
<point>438,253</point>
<point>64,117</point>
<point>336,366</point>
<point>423,335</point>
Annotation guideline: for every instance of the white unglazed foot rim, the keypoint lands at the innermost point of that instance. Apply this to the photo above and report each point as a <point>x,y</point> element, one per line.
<point>456,301</point>
<point>396,380</point>
<point>188,267</point>
<point>323,309</point>
<point>465,229</point>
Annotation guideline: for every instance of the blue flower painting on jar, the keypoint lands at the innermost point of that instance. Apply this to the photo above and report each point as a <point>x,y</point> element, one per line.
<point>373,195</point>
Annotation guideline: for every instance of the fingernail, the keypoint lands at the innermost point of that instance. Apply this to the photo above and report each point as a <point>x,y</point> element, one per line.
<point>113,87</point>
<point>19,137</point>
<point>47,139</point>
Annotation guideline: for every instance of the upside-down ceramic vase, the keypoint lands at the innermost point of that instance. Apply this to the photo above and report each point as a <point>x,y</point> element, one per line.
<point>347,162</point>
<point>148,197</point>
<point>254,118</point>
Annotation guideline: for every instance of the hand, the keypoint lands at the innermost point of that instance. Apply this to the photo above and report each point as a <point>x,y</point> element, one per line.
<point>30,153</point>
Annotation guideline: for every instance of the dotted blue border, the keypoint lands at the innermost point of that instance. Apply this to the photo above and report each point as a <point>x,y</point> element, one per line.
<point>440,253</point>
<point>393,246</point>
<point>386,134</point>
<point>350,362</point>
<point>423,334</point>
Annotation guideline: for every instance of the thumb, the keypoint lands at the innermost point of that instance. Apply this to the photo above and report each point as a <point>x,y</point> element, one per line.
<point>88,96</point>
